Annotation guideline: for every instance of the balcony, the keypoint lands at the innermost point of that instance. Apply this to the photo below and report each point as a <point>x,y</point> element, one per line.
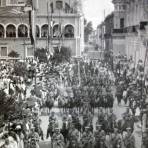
<point>119,30</point>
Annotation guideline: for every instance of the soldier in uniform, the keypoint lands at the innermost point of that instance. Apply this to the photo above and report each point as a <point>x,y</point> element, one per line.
<point>34,138</point>
<point>87,138</point>
<point>57,139</point>
<point>97,135</point>
<point>115,140</point>
<point>129,139</point>
<point>101,116</point>
<point>112,120</point>
<point>73,136</point>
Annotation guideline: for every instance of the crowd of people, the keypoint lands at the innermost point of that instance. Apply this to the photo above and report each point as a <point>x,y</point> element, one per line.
<point>85,91</point>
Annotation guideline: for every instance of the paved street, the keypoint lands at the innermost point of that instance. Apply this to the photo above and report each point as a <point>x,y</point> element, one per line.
<point>118,110</point>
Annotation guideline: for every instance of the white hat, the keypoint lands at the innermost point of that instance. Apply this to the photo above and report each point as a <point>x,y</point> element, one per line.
<point>18,127</point>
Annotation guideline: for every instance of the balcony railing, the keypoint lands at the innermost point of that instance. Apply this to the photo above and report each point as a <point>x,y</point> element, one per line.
<point>120,30</point>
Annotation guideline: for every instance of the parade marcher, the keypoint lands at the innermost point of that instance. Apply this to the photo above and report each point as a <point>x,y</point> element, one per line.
<point>33,138</point>
<point>73,136</point>
<point>112,120</point>
<point>87,139</point>
<point>116,139</point>
<point>101,116</point>
<point>57,139</point>
<point>97,135</point>
<point>129,139</point>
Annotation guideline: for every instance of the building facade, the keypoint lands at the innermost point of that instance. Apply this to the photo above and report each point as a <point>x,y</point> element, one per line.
<point>109,25</point>
<point>130,28</point>
<point>56,23</point>
<point>100,36</point>
<point>118,31</point>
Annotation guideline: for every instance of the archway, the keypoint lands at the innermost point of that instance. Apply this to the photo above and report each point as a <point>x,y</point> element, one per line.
<point>11,31</point>
<point>69,31</point>
<point>44,30</point>
<point>56,31</point>
<point>22,31</point>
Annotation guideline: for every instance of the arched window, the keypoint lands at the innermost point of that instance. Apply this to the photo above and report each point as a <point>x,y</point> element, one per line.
<point>11,31</point>
<point>69,31</point>
<point>2,30</point>
<point>56,31</point>
<point>22,31</point>
<point>44,30</point>
<point>37,31</point>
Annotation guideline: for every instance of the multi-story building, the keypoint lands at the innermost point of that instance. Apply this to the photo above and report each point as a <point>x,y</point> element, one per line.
<point>118,32</point>
<point>130,28</point>
<point>109,25</point>
<point>100,32</point>
<point>57,23</point>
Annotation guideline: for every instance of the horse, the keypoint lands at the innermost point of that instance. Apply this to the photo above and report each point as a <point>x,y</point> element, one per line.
<point>50,129</point>
<point>49,103</point>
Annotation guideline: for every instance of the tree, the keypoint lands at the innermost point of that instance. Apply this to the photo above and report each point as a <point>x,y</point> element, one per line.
<point>87,30</point>
<point>20,69</point>
<point>62,55</point>
<point>41,54</point>
<point>6,103</point>
<point>13,54</point>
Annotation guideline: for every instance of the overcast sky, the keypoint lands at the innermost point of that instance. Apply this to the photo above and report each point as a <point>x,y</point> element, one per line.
<point>94,10</point>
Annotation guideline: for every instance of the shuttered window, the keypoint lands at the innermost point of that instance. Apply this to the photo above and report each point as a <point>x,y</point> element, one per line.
<point>30,52</point>
<point>3,51</point>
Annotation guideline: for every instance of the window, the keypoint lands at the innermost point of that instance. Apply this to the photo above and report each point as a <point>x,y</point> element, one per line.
<point>56,31</point>
<point>22,31</point>
<point>59,4</point>
<point>30,52</point>
<point>69,31</point>
<point>3,51</point>
<point>122,23</point>
<point>1,31</point>
<point>10,31</point>
<point>44,31</point>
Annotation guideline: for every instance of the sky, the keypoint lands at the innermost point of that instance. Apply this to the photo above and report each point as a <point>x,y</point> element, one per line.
<point>94,10</point>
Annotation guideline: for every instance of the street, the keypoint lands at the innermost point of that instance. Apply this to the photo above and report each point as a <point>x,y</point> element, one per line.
<point>118,110</point>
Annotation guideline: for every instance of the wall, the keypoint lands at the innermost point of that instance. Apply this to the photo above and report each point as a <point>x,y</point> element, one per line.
<point>76,44</point>
<point>118,45</point>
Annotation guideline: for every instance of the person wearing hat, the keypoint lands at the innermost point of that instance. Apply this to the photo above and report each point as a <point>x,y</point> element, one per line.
<point>34,136</point>
<point>97,135</point>
<point>57,139</point>
<point>87,139</point>
<point>129,139</point>
<point>73,135</point>
<point>115,140</point>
